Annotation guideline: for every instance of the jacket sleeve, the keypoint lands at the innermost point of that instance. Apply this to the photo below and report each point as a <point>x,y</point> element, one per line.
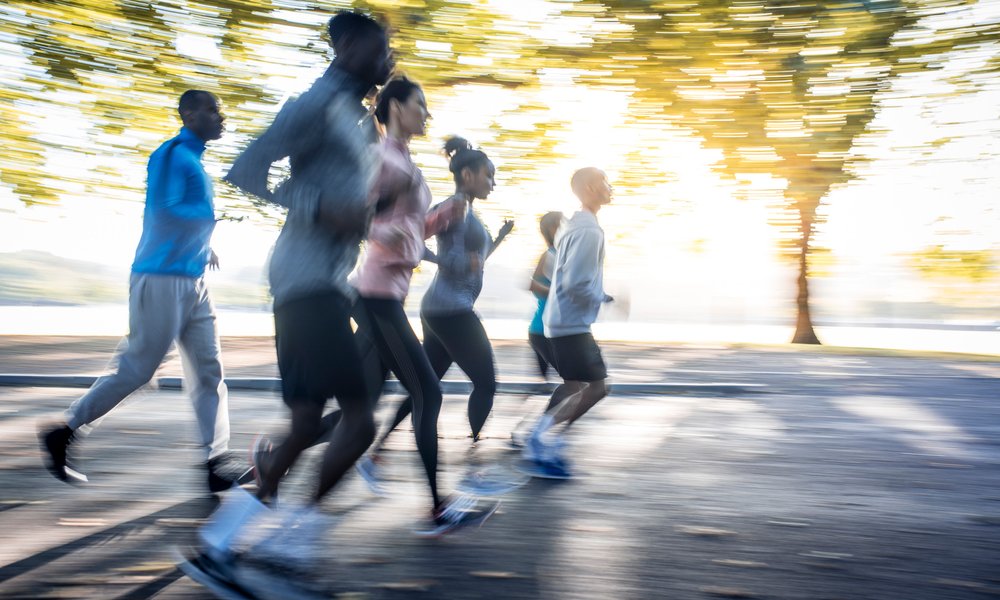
<point>582,266</point>
<point>444,215</point>
<point>444,220</point>
<point>168,190</point>
<point>293,132</point>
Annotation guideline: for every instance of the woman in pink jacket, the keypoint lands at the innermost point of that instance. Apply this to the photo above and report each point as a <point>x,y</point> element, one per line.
<point>395,247</point>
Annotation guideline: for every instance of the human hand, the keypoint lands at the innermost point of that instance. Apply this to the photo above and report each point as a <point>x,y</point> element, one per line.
<point>508,225</point>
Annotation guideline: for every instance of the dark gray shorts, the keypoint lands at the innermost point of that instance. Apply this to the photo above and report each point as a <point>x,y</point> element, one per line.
<point>318,357</point>
<point>578,358</point>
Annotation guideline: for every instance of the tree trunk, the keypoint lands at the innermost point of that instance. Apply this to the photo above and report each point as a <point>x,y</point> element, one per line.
<point>804,333</point>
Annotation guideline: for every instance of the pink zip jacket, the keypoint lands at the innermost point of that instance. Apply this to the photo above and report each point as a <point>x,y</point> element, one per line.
<point>396,238</point>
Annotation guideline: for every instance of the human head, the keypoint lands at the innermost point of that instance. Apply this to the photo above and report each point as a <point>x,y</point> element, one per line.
<point>591,186</point>
<point>401,108</point>
<point>361,46</point>
<point>200,112</point>
<point>549,224</point>
<point>473,171</point>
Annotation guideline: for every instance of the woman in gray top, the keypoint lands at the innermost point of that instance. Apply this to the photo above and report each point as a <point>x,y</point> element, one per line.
<point>453,332</point>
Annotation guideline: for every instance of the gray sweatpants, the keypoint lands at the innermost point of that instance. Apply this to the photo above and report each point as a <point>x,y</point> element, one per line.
<point>164,309</point>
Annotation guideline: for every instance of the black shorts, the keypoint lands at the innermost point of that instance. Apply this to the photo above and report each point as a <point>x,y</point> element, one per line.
<point>540,344</point>
<point>318,357</point>
<point>578,358</point>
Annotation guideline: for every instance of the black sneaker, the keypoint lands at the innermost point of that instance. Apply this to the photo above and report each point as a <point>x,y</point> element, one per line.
<point>225,471</point>
<point>260,453</point>
<point>55,443</point>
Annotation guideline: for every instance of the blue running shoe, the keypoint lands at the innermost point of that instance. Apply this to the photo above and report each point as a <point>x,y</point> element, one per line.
<point>534,448</point>
<point>489,482</point>
<point>456,513</point>
<point>518,439</point>
<point>556,468</point>
<point>369,469</point>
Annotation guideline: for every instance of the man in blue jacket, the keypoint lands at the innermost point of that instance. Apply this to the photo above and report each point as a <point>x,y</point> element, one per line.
<point>168,300</point>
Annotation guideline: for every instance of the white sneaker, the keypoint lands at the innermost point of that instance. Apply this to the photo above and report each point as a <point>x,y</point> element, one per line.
<point>457,512</point>
<point>370,469</point>
<point>290,539</point>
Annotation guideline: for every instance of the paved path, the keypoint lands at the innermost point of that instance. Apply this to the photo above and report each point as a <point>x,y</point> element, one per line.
<point>853,477</point>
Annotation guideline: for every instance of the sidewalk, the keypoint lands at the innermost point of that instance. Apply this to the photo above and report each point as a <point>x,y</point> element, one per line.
<point>853,477</point>
<point>706,369</point>
<point>250,365</point>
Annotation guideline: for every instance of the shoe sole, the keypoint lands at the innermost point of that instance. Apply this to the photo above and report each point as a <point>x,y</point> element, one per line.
<point>222,588</point>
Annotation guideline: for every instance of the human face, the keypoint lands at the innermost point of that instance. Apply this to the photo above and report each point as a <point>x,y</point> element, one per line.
<point>603,190</point>
<point>481,182</point>
<point>207,120</point>
<point>369,58</point>
<point>412,115</point>
<point>381,60</point>
<point>597,193</point>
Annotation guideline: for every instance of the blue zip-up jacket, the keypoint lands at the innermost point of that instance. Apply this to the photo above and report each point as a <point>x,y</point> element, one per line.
<point>179,218</point>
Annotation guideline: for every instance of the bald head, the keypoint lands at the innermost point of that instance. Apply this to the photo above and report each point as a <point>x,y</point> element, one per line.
<point>591,186</point>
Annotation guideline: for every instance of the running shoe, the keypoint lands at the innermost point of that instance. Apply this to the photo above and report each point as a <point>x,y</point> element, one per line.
<point>55,443</point>
<point>518,439</point>
<point>213,573</point>
<point>457,513</point>
<point>290,541</point>
<point>260,455</point>
<point>555,468</point>
<point>544,447</point>
<point>487,482</point>
<point>370,469</point>
<point>225,471</point>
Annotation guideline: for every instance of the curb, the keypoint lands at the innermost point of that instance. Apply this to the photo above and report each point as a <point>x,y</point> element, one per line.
<point>273,384</point>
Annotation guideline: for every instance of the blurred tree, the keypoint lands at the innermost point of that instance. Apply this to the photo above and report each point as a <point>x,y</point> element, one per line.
<point>967,266</point>
<point>781,88</point>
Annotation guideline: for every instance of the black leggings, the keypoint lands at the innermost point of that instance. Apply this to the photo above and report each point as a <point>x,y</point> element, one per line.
<point>387,343</point>
<point>458,338</point>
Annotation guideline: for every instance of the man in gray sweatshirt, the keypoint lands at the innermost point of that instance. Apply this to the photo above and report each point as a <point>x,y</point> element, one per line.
<point>327,137</point>
<point>575,298</point>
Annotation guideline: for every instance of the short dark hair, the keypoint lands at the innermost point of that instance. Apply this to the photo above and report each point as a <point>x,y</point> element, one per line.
<point>399,89</point>
<point>347,23</point>
<point>192,99</point>
<point>548,225</point>
<point>461,155</point>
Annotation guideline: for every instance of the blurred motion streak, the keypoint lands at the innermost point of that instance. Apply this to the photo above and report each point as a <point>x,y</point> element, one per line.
<point>848,146</point>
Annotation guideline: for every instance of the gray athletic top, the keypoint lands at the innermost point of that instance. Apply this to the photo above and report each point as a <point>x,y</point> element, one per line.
<point>328,140</point>
<point>456,286</point>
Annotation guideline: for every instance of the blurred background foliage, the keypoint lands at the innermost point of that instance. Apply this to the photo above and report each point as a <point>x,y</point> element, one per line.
<point>782,90</point>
